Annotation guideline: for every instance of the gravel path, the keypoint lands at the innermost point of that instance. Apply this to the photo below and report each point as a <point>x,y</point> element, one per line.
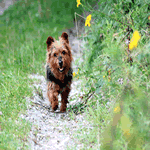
<point>4,4</point>
<point>53,130</point>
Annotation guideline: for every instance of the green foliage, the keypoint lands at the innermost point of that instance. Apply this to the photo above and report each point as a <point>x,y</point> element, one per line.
<point>77,108</point>
<point>121,87</point>
<point>58,12</point>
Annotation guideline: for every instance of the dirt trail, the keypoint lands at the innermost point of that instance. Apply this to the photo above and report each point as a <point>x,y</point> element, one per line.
<point>54,131</point>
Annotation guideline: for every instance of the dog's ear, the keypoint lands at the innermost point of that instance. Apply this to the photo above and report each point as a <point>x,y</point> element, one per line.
<point>64,36</point>
<point>49,41</point>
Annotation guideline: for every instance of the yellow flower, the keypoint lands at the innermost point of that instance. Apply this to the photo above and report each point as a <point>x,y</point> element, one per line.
<point>126,125</point>
<point>78,71</point>
<point>136,35</point>
<point>133,44</point>
<point>78,3</point>
<point>103,76</point>
<point>88,19</point>
<point>117,109</point>
<point>134,40</point>
<point>74,74</point>
<point>87,23</point>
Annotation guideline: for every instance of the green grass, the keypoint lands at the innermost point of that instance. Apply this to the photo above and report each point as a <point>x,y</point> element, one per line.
<point>14,87</point>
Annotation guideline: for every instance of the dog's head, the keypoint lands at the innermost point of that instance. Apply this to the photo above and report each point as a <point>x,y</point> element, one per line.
<point>59,55</point>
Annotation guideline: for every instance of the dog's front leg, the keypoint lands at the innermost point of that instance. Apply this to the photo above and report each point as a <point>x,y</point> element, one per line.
<point>53,95</point>
<point>64,99</point>
<point>54,100</point>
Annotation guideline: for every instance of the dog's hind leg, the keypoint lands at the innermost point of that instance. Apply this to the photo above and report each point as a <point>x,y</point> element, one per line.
<point>53,96</point>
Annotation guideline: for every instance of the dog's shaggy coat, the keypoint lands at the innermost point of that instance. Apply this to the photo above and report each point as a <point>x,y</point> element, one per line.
<point>58,70</point>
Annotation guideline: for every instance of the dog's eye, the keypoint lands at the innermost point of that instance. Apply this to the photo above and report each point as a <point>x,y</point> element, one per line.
<point>55,55</point>
<point>63,52</point>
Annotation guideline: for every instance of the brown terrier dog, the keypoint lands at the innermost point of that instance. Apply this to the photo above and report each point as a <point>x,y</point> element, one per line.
<point>58,70</point>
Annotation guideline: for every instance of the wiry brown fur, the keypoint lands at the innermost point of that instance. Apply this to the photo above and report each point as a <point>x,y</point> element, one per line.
<point>59,72</point>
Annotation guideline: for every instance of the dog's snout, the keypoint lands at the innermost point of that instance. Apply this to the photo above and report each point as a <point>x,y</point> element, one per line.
<point>59,58</point>
<point>60,63</point>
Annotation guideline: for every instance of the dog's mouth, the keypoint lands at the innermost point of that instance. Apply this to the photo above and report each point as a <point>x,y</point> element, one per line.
<point>61,69</point>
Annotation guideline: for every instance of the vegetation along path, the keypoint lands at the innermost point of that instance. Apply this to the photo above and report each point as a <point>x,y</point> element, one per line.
<point>115,74</point>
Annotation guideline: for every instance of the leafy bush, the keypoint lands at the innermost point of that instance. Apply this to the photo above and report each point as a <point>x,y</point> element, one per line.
<point>118,76</point>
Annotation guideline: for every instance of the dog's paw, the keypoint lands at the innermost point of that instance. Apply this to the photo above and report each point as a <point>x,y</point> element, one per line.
<point>54,107</point>
<point>63,109</point>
